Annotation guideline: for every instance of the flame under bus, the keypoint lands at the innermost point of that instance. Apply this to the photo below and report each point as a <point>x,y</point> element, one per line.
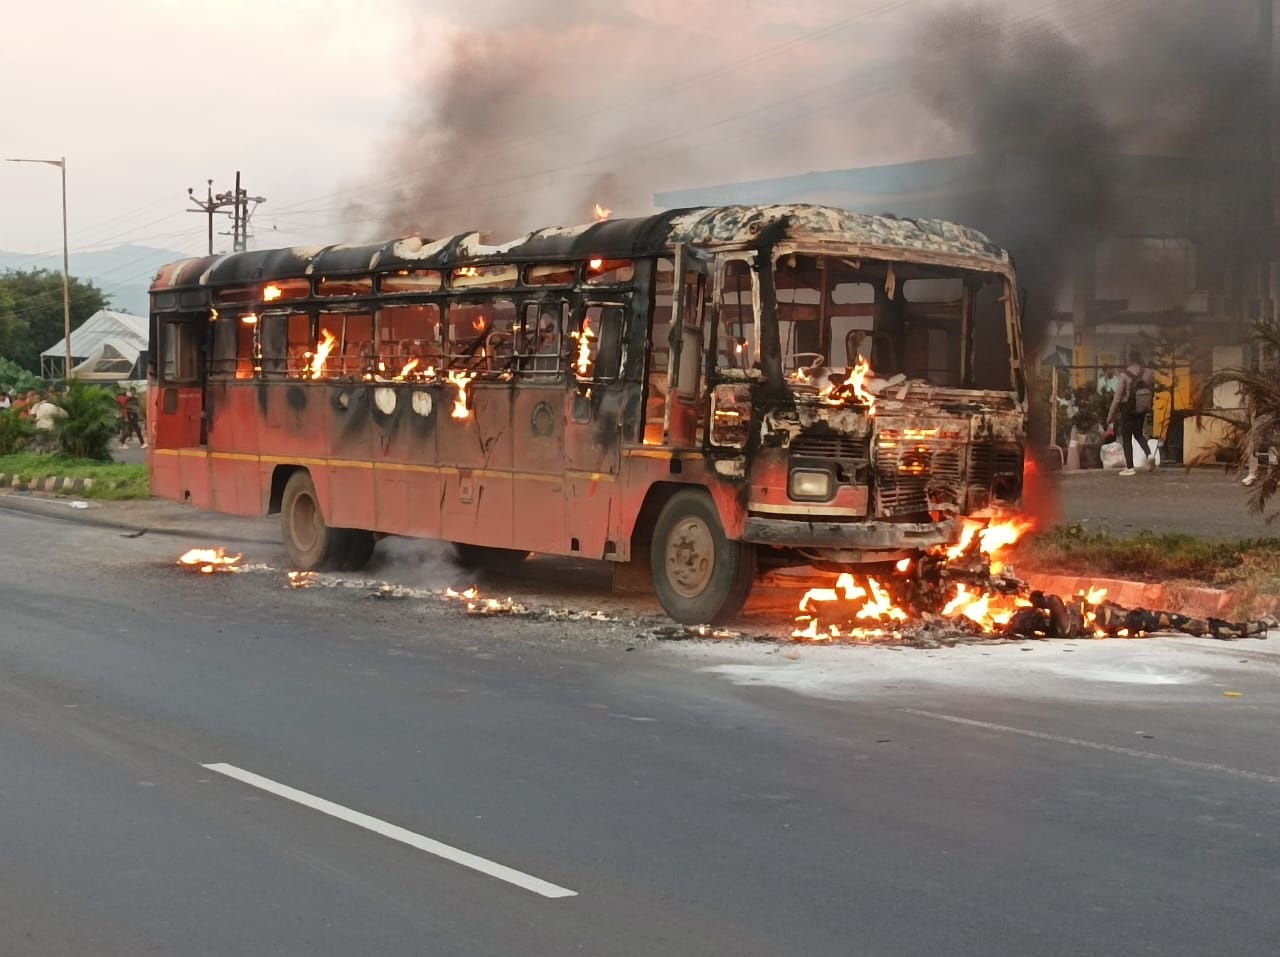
<point>692,395</point>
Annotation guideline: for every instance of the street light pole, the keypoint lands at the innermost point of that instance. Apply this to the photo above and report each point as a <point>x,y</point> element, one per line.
<point>61,163</point>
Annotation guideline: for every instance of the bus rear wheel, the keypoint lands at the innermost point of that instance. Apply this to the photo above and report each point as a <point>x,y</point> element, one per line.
<point>700,575</point>
<point>311,544</point>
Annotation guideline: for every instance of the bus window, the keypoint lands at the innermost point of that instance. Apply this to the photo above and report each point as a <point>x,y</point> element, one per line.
<point>225,335</point>
<point>540,346</point>
<point>352,333</point>
<point>484,277</point>
<point>736,341</point>
<point>609,272</point>
<point>298,347</point>
<point>181,352</point>
<point>273,330</point>
<point>411,280</point>
<point>851,322</point>
<point>991,348</point>
<point>555,274</point>
<point>933,333</point>
<point>798,281</point>
<point>598,345</point>
<point>345,286</point>
<point>407,340</point>
<point>481,335</point>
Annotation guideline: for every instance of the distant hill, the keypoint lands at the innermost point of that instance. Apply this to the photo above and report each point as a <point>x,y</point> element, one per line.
<point>123,273</point>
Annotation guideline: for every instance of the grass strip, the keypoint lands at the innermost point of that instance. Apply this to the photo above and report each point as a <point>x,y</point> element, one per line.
<point>111,480</point>
<point>1155,557</point>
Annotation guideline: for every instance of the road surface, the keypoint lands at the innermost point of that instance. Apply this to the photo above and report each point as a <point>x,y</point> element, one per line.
<point>224,765</point>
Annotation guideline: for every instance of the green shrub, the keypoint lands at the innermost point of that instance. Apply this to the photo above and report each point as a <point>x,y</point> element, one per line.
<point>14,378</point>
<point>91,424</point>
<point>15,432</point>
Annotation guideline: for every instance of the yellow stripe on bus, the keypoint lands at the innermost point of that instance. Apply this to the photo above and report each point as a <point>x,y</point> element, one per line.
<point>390,466</point>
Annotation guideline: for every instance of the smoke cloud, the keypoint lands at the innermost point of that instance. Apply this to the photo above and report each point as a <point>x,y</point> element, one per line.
<point>530,112</point>
<point>1054,112</point>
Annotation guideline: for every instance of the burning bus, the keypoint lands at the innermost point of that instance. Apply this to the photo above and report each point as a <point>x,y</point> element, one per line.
<point>696,395</point>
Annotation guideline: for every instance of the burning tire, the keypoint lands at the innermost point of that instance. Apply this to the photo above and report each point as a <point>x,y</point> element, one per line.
<point>486,557</point>
<point>312,545</point>
<point>701,577</point>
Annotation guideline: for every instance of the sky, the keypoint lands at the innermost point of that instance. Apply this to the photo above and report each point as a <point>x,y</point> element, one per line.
<point>364,120</point>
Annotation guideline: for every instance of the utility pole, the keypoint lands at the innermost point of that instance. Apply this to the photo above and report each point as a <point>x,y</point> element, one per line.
<point>61,163</point>
<point>238,202</point>
<point>1266,154</point>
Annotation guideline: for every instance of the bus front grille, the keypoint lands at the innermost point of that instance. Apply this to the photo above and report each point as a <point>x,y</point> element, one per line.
<point>917,472</point>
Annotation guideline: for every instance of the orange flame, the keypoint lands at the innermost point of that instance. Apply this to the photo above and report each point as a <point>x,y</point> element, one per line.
<point>602,213</point>
<point>209,560</point>
<point>583,362</point>
<point>408,367</point>
<point>271,293</point>
<point>852,389</point>
<point>460,380</point>
<point>323,348</point>
<point>873,601</point>
<point>478,324</point>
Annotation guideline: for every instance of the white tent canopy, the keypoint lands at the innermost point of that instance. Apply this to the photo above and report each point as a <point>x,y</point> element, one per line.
<point>100,347</point>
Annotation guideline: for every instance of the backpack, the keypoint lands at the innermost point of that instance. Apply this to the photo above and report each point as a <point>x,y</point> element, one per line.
<point>1141,396</point>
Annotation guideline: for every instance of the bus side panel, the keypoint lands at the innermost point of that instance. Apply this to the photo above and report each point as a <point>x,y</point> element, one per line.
<point>476,505</point>
<point>176,413</point>
<point>165,470</point>
<point>352,495</point>
<point>296,422</point>
<point>537,435</point>
<point>491,409</point>
<point>195,471</point>
<point>234,418</point>
<point>401,425</point>
<point>226,476</point>
<point>590,509</point>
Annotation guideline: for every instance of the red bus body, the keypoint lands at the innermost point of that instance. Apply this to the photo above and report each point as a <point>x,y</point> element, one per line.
<point>583,458</point>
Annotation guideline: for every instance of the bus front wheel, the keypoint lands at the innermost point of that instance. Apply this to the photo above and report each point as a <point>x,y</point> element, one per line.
<point>311,544</point>
<point>701,576</point>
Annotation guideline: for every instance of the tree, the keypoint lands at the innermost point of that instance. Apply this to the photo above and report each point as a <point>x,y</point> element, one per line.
<point>1259,431</point>
<point>31,316</point>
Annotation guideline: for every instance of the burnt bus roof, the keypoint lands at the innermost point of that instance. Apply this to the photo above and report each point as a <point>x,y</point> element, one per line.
<point>613,239</point>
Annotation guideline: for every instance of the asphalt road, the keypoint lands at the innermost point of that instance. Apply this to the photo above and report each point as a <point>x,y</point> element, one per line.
<point>1205,502</point>
<point>649,798</point>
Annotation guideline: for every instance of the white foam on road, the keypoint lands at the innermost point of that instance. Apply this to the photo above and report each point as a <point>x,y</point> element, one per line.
<point>395,832</point>
<point>1117,669</point>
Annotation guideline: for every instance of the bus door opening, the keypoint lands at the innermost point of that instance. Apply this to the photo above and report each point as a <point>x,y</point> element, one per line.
<point>683,425</point>
<point>179,408</point>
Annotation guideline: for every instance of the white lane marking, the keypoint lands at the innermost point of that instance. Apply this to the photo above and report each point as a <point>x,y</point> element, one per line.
<point>395,832</point>
<point>1096,746</point>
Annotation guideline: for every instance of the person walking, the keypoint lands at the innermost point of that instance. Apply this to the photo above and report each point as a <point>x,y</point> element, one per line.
<point>132,422</point>
<point>1134,398</point>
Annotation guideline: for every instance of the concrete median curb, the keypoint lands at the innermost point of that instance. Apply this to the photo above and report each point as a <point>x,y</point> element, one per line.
<point>1196,601</point>
<point>45,483</point>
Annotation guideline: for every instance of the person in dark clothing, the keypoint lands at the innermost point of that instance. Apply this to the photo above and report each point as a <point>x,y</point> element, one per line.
<point>1129,408</point>
<point>131,419</point>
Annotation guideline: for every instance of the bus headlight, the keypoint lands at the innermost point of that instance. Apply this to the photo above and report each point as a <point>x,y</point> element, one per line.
<point>810,485</point>
<point>730,415</point>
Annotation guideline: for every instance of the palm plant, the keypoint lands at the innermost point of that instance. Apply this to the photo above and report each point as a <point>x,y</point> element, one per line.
<point>1260,430</point>
<point>91,423</point>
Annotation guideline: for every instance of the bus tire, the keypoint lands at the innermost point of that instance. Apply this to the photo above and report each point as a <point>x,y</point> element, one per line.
<point>355,548</point>
<point>700,575</point>
<point>311,544</point>
<point>486,557</point>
